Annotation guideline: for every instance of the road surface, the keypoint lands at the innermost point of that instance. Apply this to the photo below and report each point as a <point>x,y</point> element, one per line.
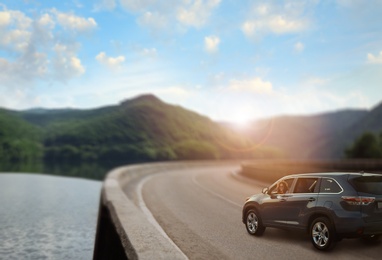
<point>199,208</point>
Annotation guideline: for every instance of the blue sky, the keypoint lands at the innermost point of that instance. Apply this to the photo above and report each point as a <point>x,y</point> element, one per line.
<point>230,60</point>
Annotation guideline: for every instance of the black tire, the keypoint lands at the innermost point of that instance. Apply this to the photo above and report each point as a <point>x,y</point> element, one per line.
<point>253,223</point>
<point>322,234</point>
<point>372,238</point>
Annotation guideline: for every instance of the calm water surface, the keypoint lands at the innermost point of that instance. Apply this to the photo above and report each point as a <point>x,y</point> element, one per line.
<point>47,217</point>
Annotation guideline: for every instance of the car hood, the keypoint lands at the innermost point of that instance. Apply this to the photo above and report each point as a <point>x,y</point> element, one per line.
<point>256,197</point>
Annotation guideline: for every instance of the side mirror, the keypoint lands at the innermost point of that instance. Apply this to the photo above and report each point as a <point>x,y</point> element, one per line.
<point>265,191</point>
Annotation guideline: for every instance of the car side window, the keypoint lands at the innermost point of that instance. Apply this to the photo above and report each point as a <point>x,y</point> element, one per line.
<point>329,186</point>
<point>274,189</point>
<point>289,182</point>
<point>306,185</point>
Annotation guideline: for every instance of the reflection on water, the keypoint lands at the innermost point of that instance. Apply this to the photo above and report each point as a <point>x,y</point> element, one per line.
<point>47,217</point>
<point>88,170</point>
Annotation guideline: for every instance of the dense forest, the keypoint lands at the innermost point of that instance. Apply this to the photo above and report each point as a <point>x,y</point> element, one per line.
<point>368,145</point>
<point>142,129</point>
<point>19,140</point>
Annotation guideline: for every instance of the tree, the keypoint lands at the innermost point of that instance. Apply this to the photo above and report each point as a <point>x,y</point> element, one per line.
<point>19,140</point>
<point>195,150</point>
<point>366,146</point>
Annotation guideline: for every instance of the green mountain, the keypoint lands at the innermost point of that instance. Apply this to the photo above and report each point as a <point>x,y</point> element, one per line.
<point>146,129</point>
<point>19,141</point>
<point>139,129</point>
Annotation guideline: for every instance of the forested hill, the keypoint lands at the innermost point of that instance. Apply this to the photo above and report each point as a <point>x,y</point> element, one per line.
<point>139,129</point>
<point>146,129</point>
<point>370,122</point>
<point>322,136</point>
<point>19,140</point>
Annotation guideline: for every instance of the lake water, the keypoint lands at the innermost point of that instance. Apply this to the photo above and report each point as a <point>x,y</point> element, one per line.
<point>47,217</point>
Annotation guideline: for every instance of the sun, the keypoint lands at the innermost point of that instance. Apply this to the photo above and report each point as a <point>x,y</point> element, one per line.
<point>240,121</point>
<point>240,118</point>
<point>238,109</point>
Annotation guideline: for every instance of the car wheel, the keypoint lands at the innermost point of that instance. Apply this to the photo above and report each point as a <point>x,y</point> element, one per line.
<point>322,234</point>
<point>253,223</point>
<point>372,238</point>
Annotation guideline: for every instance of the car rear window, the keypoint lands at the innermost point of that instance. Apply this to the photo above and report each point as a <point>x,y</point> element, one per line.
<point>368,184</point>
<point>329,186</point>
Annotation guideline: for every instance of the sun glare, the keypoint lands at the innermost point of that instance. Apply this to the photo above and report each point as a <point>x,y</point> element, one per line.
<point>240,116</point>
<point>236,108</point>
<point>240,119</point>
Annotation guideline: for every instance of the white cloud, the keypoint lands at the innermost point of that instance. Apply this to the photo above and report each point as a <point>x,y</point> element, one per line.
<point>211,43</point>
<point>111,62</point>
<point>154,20</point>
<point>279,24</point>
<point>72,22</point>
<point>255,85</point>
<point>15,18</point>
<point>66,63</point>
<point>196,13</point>
<point>16,40</point>
<point>5,19</point>
<point>15,30</point>
<point>274,24</point>
<point>299,47</point>
<point>271,18</point>
<point>376,59</point>
<point>137,5</point>
<point>46,20</point>
<point>38,47</point>
<point>174,15</point>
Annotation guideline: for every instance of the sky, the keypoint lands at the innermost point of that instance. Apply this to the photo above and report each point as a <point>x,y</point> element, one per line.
<point>229,60</point>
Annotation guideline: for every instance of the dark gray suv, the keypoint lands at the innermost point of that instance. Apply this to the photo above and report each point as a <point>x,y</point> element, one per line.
<point>329,206</point>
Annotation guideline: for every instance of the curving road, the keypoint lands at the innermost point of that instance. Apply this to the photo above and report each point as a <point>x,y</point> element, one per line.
<point>199,208</point>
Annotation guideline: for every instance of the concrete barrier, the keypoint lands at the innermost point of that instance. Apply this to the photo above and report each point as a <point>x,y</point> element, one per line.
<point>272,170</point>
<point>123,230</point>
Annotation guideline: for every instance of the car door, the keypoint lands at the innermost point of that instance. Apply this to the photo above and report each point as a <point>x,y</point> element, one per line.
<point>300,200</point>
<point>273,208</point>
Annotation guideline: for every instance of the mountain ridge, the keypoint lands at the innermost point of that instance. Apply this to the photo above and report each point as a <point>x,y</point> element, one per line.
<point>143,128</point>
<point>146,121</point>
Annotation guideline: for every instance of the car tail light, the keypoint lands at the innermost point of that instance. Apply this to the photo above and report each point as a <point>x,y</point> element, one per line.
<point>354,200</point>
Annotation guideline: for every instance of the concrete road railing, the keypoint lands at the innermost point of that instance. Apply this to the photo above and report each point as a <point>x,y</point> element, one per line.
<point>123,230</point>
<point>272,170</point>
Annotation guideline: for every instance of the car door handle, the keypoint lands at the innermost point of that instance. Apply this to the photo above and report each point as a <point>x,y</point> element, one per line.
<point>312,199</point>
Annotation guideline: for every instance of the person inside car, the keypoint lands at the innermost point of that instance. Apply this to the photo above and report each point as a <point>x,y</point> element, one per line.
<point>282,187</point>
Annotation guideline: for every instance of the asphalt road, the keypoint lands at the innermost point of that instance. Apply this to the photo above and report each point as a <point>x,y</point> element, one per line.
<point>200,210</point>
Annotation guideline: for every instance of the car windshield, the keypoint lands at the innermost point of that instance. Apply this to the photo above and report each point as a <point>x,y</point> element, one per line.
<point>368,184</point>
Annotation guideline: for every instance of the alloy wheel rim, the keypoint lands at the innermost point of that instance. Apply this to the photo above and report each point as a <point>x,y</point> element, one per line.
<point>320,234</point>
<point>252,222</point>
